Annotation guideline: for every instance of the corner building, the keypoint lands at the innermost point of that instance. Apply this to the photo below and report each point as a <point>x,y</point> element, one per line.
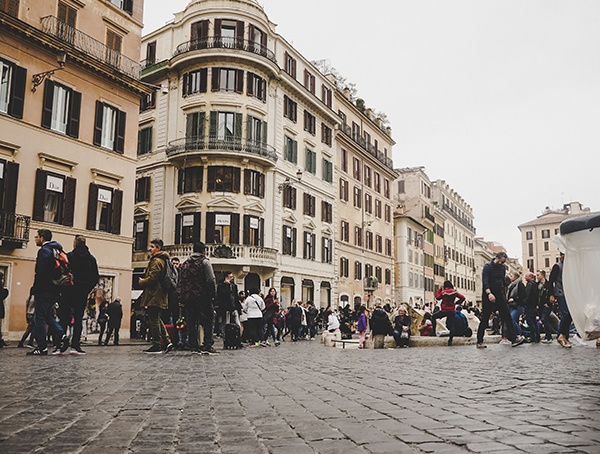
<point>236,149</point>
<point>69,105</point>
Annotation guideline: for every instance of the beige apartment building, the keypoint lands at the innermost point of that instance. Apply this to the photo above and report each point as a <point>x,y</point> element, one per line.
<point>69,103</point>
<point>538,249</point>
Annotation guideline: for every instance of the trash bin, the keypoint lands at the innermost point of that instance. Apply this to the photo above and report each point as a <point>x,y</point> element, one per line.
<point>579,239</point>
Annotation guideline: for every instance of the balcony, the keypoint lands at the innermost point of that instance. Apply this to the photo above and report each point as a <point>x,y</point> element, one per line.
<point>71,36</point>
<point>367,146</point>
<point>14,229</point>
<point>219,42</point>
<point>458,218</point>
<point>234,254</point>
<point>187,145</point>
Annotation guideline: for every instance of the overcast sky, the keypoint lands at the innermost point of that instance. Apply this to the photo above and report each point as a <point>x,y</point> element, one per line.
<point>500,98</point>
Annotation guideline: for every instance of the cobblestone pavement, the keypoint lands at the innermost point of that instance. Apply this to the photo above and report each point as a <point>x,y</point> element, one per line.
<point>303,398</point>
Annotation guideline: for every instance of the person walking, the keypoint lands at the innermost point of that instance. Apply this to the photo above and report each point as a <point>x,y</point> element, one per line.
<point>449,297</point>
<point>254,307</point>
<point>227,292</point>
<point>115,315</point>
<point>558,294</point>
<point>155,298</point>
<point>197,290</point>
<point>102,319</point>
<point>271,308</point>
<point>73,300</point>
<point>29,315</point>
<point>529,297</point>
<point>494,298</point>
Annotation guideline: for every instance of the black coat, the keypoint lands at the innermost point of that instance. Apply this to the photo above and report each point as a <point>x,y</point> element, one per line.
<point>84,267</point>
<point>115,314</point>
<point>380,322</point>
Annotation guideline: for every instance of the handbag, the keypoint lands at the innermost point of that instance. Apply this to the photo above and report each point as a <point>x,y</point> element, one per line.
<point>404,334</point>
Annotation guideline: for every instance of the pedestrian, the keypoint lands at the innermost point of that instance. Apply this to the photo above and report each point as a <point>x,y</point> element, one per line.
<point>3,296</point>
<point>243,316</point>
<point>311,319</point>
<point>494,298</point>
<point>294,319</point>
<point>514,299</point>
<point>402,328</point>
<point>197,290</point>
<point>227,292</point>
<point>155,298</point>
<point>558,294</point>
<point>29,316</point>
<point>449,298</point>
<point>46,293</point>
<point>254,307</point>
<point>173,311</point>
<point>361,326</point>
<point>380,326</point>
<point>102,319</point>
<point>271,308</point>
<point>115,315</point>
<point>544,305</point>
<point>73,300</point>
<point>529,297</point>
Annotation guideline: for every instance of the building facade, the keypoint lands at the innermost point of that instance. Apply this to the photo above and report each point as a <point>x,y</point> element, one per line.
<point>69,103</point>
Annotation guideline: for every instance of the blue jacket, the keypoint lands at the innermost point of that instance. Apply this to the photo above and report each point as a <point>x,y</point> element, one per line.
<point>45,269</point>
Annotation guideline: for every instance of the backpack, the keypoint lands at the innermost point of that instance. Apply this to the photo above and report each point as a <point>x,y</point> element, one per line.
<point>64,276</point>
<point>170,278</point>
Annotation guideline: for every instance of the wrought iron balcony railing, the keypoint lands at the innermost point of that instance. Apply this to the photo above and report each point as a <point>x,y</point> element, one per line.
<point>220,42</point>
<point>90,46</point>
<point>191,144</point>
<point>242,253</point>
<point>14,228</point>
<point>367,146</point>
<point>455,215</point>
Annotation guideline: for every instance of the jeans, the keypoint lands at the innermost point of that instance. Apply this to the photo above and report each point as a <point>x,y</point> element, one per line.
<point>449,321</point>
<point>44,304</point>
<point>534,329</point>
<point>73,300</point>
<point>515,314</point>
<point>502,307</point>
<point>197,316</point>
<point>400,341</point>
<point>565,317</point>
<point>111,330</point>
<point>102,322</point>
<point>157,327</point>
<point>545,317</point>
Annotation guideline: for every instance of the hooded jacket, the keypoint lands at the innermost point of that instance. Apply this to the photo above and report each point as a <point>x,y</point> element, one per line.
<point>84,267</point>
<point>197,281</point>
<point>154,295</point>
<point>380,322</point>
<point>45,269</point>
<point>450,298</point>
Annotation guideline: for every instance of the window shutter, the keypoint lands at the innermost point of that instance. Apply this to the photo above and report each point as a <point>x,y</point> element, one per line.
<point>239,81</point>
<point>323,250</point>
<point>237,131</point>
<point>92,207</point>
<point>17,95</point>
<point>178,229</point>
<point>239,34</point>
<point>203,80</point>
<point>210,228</point>
<point>74,114</point>
<point>218,23</point>
<point>190,126</point>
<point>11,178</point>
<point>246,239</point>
<point>212,179</point>
<point>294,242</point>
<point>215,77</point>
<point>194,35</point>
<point>236,180</point>
<point>116,212</point>
<point>294,68</point>
<point>128,6</point>
<point>69,210</point>
<point>264,133</point>
<point>186,84</point>
<point>261,232</point>
<point>263,42</point>
<point>261,185</point>
<point>204,29</point>
<point>98,123</point>
<point>39,195</point>
<point>247,176</point>
<point>286,112</point>
<point>196,229</point>
<point>47,108</point>
<point>213,125</point>
<point>120,142</point>
<point>234,237</point>
<point>293,198</point>
<point>250,83</point>
<point>180,180</point>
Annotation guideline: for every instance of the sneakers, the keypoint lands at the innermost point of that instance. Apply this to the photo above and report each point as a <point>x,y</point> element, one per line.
<point>64,344</point>
<point>481,346</point>
<point>56,351</point>
<point>518,341</point>
<point>77,351</point>
<point>267,342</point>
<point>208,351</point>
<point>169,348</point>
<point>277,343</point>
<point>154,350</point>
<point>505,342</point>
<point>547,341</point>
<point>37,352</point>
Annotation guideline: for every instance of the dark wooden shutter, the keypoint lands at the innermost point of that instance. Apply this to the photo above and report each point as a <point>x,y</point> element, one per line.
<point>92,207</point>
<point>217,33</point>
<point>196,229</point>
<point>239,34</point>
<point>186,85</point>
<point>214,118</point>
<point>264,133</point>
<point>239,81</point>
<point>17,92</point>
<point>120,142</point>
<point>294,196</point>
<point>263,42</point>
<point>305,207</point>
<point>234,238</point>
<point>180,180</point>
<point>261,185</point>
<point>204,29</point>
<point>39,196</point>
<point>128,6</point>
<point>74,114</point>
<point>246,238</point>
<point>47,108</point>
<point>98,123</point>
<point>261,232</point>
<point>247,176</point>
<point>294,241</point>
<point>323,258</point>
<point>116,212</point>
<point>11,181</point>
<point>236,180</point>
<point>215,79</point>
<point>211,184</point>
<point>69,197</point>
<point>250,84</point>
<point>210,228</point>
<point>203,80</point>
<point>313,242</point>
<point>237,128</point>
<point>178,228</point>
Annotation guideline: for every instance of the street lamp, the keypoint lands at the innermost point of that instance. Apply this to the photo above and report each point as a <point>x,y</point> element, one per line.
<point>37,79</point>
<point>287,183</point>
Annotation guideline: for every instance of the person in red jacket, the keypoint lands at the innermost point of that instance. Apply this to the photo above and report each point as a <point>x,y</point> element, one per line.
<point>449,298</point>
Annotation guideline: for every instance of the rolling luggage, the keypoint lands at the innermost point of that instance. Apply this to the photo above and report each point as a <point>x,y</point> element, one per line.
<point>231,336</point>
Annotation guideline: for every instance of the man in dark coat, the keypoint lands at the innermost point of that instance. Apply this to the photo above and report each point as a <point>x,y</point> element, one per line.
<point>227,294</point>
<point>115,315</point>
<point>380,326</point>
<point>3,296</point>
<point>84,267</point>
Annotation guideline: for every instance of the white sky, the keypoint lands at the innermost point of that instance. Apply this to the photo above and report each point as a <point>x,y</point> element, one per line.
<point>501,98</point>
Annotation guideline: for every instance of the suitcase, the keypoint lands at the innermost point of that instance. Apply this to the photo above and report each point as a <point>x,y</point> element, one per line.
<point>231,336</point>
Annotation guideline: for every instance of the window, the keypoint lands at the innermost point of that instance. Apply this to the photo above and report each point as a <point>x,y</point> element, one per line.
<point>309,81</point>
<point>356,132</point>
<point>194,130</point>
<point>545,233</point>
<point>229,33</point>
<point>401,187</point>
<point>326,134</point>
<point>327,171</point>
<point>410,279</point>
<point>257,87</point>
<point>343,190</point>
<point>388,213</point>
<point>345,232</point>
<point>254,183</point>
<point>530,266</point>
<point>290,109</point>
<point>187,228</point>
<point>289,241</point>
<point>344,163</point>
<point>326,96</point>
<point>377,182</point>
<point>10,7</point>
<point>530,249</point>
<point>290,150</point>
<point>225,79</point>
<point>344,265</point>
<point>357,270</point>
<point>289,197</point>
<point>356,168</point>
<point>109,127</point>
<point>148,102</point>
<point>326,212</point>
<point>388,247</point>
<point>256,132</point>
<point>309,205</point>
<point>113,47</point>
<point>378,208</point>
<point>258,40</point>
<point>253,230</point>
<point>54,199</point>
<point>369,240</point>
<point>386,188</point>
<point>547,262</point>
<point>12,88</point>
<point>104,209</point>
<point>357,197</point>
<point>378,274</point>
<point>140,235</point>
<point>9,178</point>
<point>529,235</point>
<point>368,270</point>
<point>310,123</point>
<point>368,203</point>
<point>199,35</point>
<point>309,246</point>
<point>410,256</point>
<point>290,65</point>
<point>222,228</point>
<point>226,130</point>
<point>367,176</point>
<point>310,161</point>
<point>125,5</point>
<point>546,245</point>
<point>358,236</point>
<point>378,244</point>
<point>61,110</point>
<point>195,82</point>
<point>326,250</point>
<point>388,276</point>
<point>150,53</point>
<point>190,179</point>
<point>223,179</point>
<point>142,189</point>
<point>67,16</point>
<point>144,141</point>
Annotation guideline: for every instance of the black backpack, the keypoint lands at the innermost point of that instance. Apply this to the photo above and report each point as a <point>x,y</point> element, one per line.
<point>171,277</point>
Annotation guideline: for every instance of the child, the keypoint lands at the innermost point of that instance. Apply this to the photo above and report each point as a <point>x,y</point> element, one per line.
<point>362,326</point>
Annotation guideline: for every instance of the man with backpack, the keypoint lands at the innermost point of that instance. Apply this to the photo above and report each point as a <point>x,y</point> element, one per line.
<point>197,286</point>
<point>46,292</point>
<point>155,295</point>
<point>84,267</point>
